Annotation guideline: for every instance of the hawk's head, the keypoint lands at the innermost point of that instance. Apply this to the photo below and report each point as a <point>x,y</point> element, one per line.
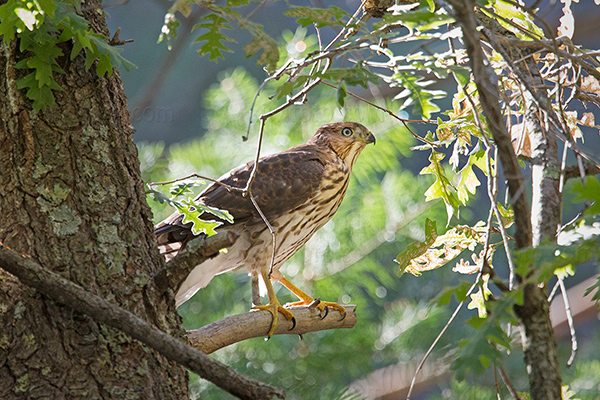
<point>346,139</point>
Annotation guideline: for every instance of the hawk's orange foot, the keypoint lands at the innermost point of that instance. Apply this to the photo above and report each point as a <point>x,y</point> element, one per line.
<point>321,305</point>
<point>275,308</point>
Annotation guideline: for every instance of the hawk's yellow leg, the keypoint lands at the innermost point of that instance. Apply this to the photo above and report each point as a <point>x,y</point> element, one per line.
<point>274,306</point>
<point>305,299</point>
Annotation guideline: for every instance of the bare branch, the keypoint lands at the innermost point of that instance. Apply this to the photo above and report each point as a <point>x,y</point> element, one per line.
<point>439,336</point>
<point>488,92</point>
<point>195,252</point>
<point>237,328</point>
<point>574,171</point>
<point>509,385</point>
<point>574,345</point>
<point>228,187</point>
<point>68,293</point>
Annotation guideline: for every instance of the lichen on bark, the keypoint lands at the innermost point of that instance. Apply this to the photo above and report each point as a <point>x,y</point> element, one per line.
<point>73,201</point>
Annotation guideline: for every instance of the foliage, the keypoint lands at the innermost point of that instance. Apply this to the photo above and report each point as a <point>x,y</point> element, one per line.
<point>214,25</point>
<point>192,211</point>
<point>381,204</point>
<point>413,47</point>
<point>41,26</point>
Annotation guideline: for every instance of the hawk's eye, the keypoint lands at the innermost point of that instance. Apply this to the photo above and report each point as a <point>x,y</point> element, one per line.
<point>347,132</point>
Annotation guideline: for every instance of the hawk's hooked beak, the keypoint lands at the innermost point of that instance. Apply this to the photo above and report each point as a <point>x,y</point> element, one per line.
<point>370,138</point>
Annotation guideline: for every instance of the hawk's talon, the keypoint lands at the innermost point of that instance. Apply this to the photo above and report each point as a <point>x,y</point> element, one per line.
<point>275,308</point>
<point>322,306</point>
<point>326,310</point>
<point>293,324</point>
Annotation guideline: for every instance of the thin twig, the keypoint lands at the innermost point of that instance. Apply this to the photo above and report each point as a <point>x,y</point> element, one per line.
<point>439,336</point>
<point>270,227</point>
<point>405,122</point>
<point>493,188</point>
<point>498,397</point>
<point>574,345</point>
<point>458,308</point>
<point>226,186</point>
<point>508,383</point>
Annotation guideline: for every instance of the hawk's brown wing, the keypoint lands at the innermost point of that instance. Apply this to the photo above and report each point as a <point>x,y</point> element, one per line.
<point>283,182</point>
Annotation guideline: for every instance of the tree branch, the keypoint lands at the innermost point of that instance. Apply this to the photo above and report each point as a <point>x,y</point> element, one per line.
<point>237,328</point>
<point>575,172</point>
<point>68,293</point>
<point>196,251</point>
<point>489,97</point>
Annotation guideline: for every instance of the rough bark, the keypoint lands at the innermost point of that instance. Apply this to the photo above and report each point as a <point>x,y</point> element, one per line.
<point>73,201</point>
<point>541,355</point>
<point>66,292</point>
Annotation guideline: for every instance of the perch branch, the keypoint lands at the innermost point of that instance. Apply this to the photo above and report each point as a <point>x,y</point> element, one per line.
<point>195,252</point>
<point>68,293</point>
<point>236,328</point>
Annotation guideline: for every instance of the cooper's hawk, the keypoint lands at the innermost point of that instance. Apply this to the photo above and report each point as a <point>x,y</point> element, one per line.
<point>297,190</point>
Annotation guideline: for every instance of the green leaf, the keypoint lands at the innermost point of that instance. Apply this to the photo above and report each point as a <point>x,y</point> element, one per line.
<point>288,87</point>
<point>594,288</point>
<point>47,7</point>
<point>468,184</point>
<point>351,76</point>
<point>462,75</point>
<point>438,250</point>
<point>417,249</point>
<point>55,22</point>
<point>192,211</point>
<point>215,40</point>
<point>441,188</point>
<point>265,43</point>
<point>341,94</point>
<point>217,212</point>
<point>480,350</point>
<point>479,298</point>
<point>430,4</point>
<point>588,191</point>
<point>423,20</point>
<point>321,17</point>
<point>179,189</point>
<point>416,94</point>
<point>160,197</point>
<point>459,291</point>
<point>9,22</point>
<point>539,264</point>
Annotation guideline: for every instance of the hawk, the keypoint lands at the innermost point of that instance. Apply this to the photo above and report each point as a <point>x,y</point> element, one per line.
<point>297,190</point>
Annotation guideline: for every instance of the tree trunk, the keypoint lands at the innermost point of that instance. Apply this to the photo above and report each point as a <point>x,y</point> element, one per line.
<point>73,201</point>
<point>540,347</point>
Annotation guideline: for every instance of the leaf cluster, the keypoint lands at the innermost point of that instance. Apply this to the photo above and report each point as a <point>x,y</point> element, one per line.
<point>213,27</point>
<point>41,27</point>
<point>193,212</point>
